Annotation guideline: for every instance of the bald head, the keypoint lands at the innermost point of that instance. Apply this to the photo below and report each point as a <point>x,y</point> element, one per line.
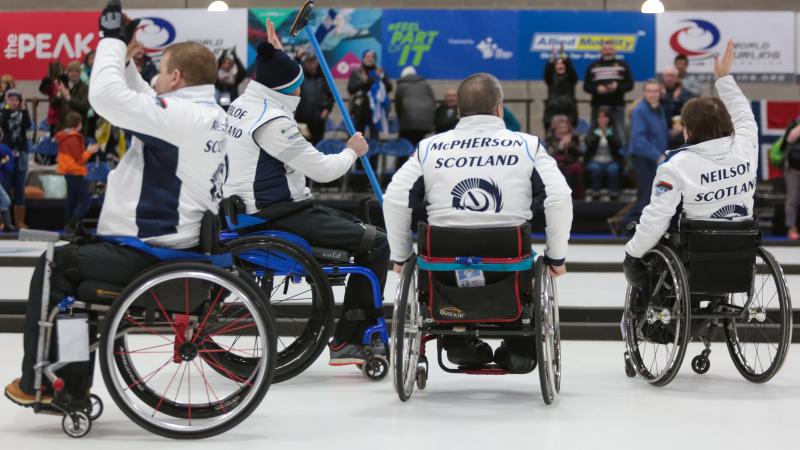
<point>480,93</point>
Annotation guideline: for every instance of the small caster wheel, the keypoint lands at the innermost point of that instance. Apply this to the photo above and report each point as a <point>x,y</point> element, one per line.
<point>630,371</point>
<point>96,409</point>
<point>700,364</point>
<point>375,369</point>
<point>76,424</point>
<point>422,378</point>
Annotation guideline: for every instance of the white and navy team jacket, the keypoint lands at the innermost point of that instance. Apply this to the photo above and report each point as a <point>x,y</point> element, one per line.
<point>176,167</point>
<point>479,175</point>
<point>270,158</point>
<point>712,180</point>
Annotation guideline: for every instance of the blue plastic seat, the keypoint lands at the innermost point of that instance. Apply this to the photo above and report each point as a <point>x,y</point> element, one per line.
<point>47,147</point>
<point>97,171</point>
<point>399,147</point>
<point>331,146</point>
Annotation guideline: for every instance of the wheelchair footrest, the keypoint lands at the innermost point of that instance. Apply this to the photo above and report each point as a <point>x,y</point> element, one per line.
<point>491,369</point>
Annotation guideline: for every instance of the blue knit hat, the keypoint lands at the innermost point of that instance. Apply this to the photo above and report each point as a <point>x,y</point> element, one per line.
<point>276,70</point>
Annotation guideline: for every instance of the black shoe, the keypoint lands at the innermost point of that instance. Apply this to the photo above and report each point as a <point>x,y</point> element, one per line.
<point>470,352</point>
<point>514,361</point>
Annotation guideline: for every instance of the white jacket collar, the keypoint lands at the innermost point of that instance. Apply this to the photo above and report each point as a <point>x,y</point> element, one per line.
<point>713,147</point>
<point>258,90</point>
<point>202,93</point>
<point>481,120</point>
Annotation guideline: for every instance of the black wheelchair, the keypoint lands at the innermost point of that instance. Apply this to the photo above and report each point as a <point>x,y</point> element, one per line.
<point>516,298</point>
<point>706,275</point>
<point>159,343</point>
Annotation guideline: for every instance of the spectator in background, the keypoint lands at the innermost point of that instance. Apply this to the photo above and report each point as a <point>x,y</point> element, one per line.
<point>6,176</point>
<point>510,120</point>
<point>689,81</point>
<point>791,167</point>
<point>72,95</point>
<point>608,80</point>
<point>445,117</point>
<point>673,95</point>
<point>6,83</point>
<point>603,157</point>
<point>86,73</point>
<point>369,89</point>
<point>649,140</point>
<point>316,100</point>
<point>230,75</point>
<point>415,105</point>
<point>561,78</point>
<point>15,122</point>
<point>145,65</point>
<point>49,87</point>
<point>565,147</point>
<point>72,157</point>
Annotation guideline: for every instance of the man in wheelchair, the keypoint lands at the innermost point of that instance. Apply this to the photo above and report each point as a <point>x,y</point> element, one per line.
<point>161,189</point>
<point>270,160</point>
<point>481,175</point>
<point>713,177</point>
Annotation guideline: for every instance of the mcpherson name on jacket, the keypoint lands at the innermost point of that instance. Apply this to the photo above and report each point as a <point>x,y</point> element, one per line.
<point>478,142</point>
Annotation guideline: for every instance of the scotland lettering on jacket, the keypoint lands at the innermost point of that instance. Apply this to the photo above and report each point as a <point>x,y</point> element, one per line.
<point>735,174</point>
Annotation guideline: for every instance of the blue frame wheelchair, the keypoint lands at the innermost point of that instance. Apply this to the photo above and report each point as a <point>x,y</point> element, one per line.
<point>297,280</point>
<point>154,343</point>
<point>703,276</point>
<point>517,299</point>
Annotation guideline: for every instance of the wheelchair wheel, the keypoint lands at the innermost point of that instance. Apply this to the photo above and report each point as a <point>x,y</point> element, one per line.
<point>300,299</point>
<point>657,317</point>
<point>406,335</point>
<point>548,335</point>
<point>154,333</point>
<point>759,340</point>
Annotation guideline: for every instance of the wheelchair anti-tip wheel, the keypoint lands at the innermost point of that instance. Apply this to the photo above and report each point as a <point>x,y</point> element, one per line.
<point>300,299</point>
<point>547,329</point>
<point>153,358</point>
<point>406,335</point>
<point>759,339</point>
<point>76,424</point>
<point>657,318</point>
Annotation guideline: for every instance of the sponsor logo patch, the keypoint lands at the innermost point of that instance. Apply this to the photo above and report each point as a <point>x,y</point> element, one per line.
<point>452,311</point>
<point>662,188</point>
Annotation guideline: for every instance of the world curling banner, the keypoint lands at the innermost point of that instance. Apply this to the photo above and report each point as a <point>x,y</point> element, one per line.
<point>344,34</point>
<point>765,43</point>
<point>582,34</point>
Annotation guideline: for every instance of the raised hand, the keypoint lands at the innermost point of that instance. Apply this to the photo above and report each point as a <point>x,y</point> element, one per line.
<point>114,24</point>
<point>272,35</point>
<point>722,66</point>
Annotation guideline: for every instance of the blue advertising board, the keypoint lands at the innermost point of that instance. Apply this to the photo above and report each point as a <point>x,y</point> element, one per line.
<point>450,44</point>
<point>582,33</point>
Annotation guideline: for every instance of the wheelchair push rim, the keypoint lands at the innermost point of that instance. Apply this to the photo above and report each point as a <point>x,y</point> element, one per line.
<point>548,334</point>
<point>180,395</point>
<point>657,334</point>
<point>406,337</point>
<point>759,340</point>
<point>299,297</point>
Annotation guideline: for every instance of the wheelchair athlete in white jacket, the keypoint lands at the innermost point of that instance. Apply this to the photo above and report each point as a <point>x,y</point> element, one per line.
<point>481,175</point>
<point>713,177</point>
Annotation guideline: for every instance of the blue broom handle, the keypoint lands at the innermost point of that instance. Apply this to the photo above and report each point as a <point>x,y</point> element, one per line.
<point>348,122</point>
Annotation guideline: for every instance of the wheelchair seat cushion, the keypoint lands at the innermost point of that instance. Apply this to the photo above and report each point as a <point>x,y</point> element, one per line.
<point>502,294</point>
<point>719,255</point>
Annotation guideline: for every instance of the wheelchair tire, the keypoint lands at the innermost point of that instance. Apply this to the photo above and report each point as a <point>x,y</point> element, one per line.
<point>669,319</point>
<point>765,326</point>
<point>137,326</point>
<point>548,335</point>
<point>406,337</point>
<point>299,351</point>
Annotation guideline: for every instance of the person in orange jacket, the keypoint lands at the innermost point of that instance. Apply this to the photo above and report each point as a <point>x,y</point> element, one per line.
<point>72,157</point>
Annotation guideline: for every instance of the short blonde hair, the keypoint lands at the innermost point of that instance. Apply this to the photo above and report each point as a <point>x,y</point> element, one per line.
<point>195,61</point>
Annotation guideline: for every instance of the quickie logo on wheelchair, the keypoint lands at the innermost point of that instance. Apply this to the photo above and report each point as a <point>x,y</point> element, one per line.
<point>476,194</point>
<point>452,311</point>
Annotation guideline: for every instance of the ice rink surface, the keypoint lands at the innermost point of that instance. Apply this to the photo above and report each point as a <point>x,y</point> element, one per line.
<point>599,408</point>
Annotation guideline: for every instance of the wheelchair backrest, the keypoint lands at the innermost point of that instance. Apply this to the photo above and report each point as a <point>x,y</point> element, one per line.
<point>719,255</point>
<point>499,294</point>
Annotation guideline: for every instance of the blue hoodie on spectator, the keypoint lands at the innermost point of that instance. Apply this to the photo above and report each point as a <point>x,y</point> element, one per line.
<point>649,133</point>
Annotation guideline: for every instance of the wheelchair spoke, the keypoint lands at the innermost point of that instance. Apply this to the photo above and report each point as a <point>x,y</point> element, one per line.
<point>208,314</point>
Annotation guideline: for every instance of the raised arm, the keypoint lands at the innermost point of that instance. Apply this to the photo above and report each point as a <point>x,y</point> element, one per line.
<point>744,122</point>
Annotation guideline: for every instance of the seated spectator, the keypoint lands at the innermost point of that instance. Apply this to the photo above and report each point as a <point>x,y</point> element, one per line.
<point>72,158</point>
<point>72,95</point>
<point>565,147</point>
<point>6,176</point>
<point>561,78</point>
<point>230,75</point>
<point>446,114</point>
<point>49,86</point>
<point>316,100</point>
<point>603,157</point>
<point>415,105</point>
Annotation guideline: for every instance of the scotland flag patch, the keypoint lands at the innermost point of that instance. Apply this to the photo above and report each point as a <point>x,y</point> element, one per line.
<point>662,187</point>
